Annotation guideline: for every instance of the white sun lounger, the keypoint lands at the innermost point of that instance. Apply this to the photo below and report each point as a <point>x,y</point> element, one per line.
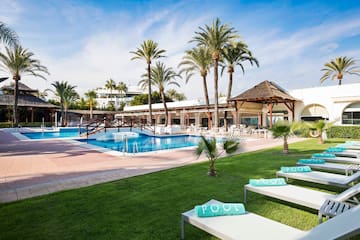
<point>302,196</point>
<point>348,153</point>
<point>346,169</point>
<point>340,159</point>
<point>253,226</point>
<point>338,180</point>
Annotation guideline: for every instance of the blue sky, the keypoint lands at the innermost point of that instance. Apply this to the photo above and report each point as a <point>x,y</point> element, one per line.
<point>88,42</point>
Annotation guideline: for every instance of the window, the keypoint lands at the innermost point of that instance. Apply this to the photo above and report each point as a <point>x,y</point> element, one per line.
<point>351,114</point>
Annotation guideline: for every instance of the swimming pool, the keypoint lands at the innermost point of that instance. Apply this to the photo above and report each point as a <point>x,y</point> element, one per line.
<point>139,143</point>
<point>144,143</point>
<point>62,133</point>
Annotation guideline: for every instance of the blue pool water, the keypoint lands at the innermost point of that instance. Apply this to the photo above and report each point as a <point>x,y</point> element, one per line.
<point>145,143</point>
<point>62,133</point>
<point>142,143</point>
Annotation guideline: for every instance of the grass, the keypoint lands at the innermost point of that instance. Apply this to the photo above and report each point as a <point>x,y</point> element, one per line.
<point>149,206</point>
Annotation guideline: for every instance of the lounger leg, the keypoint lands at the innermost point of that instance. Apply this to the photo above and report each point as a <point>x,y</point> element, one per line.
<point>182,228</point>
<point>245,195</point>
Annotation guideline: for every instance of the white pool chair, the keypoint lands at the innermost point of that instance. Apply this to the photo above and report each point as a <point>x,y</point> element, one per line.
<point>349,160</point>
<point>346,169</point>
<point>303,196</point>
<point>325,178</point>
<point>253,226</point>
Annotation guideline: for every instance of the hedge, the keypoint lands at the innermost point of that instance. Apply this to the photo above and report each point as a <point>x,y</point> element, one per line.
<point>344,132</point>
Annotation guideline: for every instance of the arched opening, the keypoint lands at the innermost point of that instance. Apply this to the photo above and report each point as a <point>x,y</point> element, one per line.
<point>314,112</point>
<point>351,114</point>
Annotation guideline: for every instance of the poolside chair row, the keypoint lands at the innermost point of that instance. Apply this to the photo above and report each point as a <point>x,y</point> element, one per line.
<point>340,206</point>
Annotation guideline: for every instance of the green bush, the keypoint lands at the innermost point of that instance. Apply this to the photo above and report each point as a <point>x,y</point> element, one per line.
<point>344,132</point>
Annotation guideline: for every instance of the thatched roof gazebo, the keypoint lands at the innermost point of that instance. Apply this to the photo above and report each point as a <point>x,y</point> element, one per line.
<point>268,93</point>
<point>27,100</point>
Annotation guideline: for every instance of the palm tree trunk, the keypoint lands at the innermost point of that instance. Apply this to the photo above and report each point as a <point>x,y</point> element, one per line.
<point>149,97</point>
<point>16,97</point>
<point>340,81</point>
<point>165,107</point>
<point>230,85</point>
<point>91,110</point>
<point>286,146</point>
<point>216,88</point>
<point>212,171</point>
<point>206,94</point>
<point>62,112</point>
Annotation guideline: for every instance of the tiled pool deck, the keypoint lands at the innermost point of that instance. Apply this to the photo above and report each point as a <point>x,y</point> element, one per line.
<point>32,168</point>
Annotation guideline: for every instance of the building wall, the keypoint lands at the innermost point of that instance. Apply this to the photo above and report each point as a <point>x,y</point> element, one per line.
<point>333,98</point>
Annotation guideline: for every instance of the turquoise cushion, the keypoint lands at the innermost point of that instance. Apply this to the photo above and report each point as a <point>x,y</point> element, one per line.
<point>295,169</point>
<point>335,149</point>
<point>223,209</point>
<point>311,161</point>
<point>323,155</point>
<point>267,182</point>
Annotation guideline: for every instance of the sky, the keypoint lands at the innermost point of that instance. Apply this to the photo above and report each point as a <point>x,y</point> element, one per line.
<point>88,42</point>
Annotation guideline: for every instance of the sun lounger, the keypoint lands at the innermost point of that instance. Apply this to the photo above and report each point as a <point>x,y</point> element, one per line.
<point>338,180</point>
<point>349,160</point>
<point>344,152</point>
<point>302,196</point>
<point>253,226</point>
<point>346,169</point>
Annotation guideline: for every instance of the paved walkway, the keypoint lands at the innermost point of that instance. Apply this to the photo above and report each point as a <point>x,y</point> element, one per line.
<point>32,168</point>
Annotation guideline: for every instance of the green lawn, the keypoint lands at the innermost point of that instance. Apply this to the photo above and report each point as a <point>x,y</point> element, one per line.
<point>149,206</point>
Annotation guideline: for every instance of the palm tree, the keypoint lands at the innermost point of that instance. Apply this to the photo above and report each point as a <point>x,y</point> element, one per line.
<point>111,85</point>
<point>161,76</point>
<point>215,37</point>
<point>174,95</point>
<point>90,97</point>
<point>18,61</point>
<point>64,92</point>
<point>70,96</point>
<point>122,88</point>
<point>317,128</point>
<point>7,35</point>
<point>283,129</point>
<point>148,51</point>
<point>210,149</point>
<point>235,54</point>
<point>198,60</point>
<point>338,68</point>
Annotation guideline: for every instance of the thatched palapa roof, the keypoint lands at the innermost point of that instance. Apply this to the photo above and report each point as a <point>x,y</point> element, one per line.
<point>22,88</point>
<point>265,92</point>
<point>25,101</point>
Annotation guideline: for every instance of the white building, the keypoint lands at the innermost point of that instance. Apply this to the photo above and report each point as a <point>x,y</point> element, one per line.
<point>263,105</point>
<point>339,104</point>
<point>105,97</point>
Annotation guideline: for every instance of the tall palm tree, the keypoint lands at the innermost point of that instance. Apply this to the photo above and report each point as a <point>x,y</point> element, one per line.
<point>236,53</point>
<point>18,62</point>
<point>161,76</point>
<point>122,88</point>
<point>148,51</point>
<point>215,37</point>
<point>64,92</point>
<point>110,85</point>
<point>197,60</point>
<point>7,35</point>
<point>338,68</point>
<point>70,97</point>
<point>90,98</point>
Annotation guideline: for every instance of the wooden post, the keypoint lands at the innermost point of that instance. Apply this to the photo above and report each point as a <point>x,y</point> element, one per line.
<point>270,108</point>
